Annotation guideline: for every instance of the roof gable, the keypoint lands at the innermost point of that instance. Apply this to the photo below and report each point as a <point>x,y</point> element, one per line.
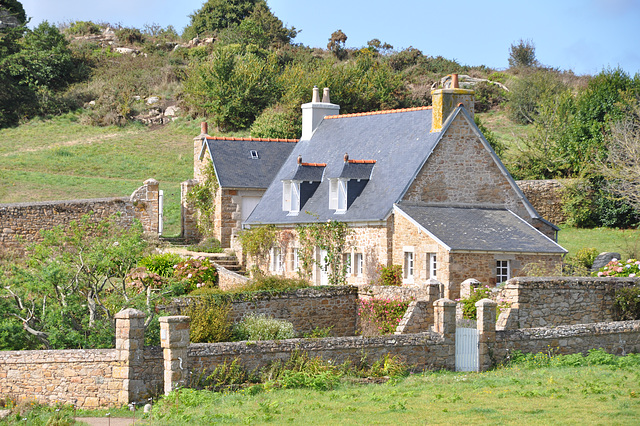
<point>247,163</point>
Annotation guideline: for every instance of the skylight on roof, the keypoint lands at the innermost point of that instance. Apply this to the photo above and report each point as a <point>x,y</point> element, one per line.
<point>254,154</point>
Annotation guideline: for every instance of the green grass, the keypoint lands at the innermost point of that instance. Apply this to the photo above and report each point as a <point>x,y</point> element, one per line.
<point>624,241</point>
<point>504,129</point>
<point>516,395</point>
<point>62,159</point>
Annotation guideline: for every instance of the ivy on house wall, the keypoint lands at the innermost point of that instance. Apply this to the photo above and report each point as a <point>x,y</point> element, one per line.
<point>330,236</point>
<point>256,243</point>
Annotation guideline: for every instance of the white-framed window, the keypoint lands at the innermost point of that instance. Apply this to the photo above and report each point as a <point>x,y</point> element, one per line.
<point>295,259</point>
<point>338,195</point>
<point>291,196</point>
<point>408,265</point>
<point>358,264</point>
<point>277,260</point>
<point>346,258</point>
<point>503,271</point>
<point>432,265</point>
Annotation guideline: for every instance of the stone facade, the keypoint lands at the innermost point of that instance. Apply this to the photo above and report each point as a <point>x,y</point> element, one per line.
<point>550,302</point>
<point>21,223</point>
<point>546,197</point>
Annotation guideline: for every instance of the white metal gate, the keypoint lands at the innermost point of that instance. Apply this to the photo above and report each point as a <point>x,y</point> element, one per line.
<point>466,349</point>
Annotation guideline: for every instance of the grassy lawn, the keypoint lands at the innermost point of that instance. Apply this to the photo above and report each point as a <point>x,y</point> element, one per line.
<point>624,241</point>
<point>560,395</point>
<point>62,159</point>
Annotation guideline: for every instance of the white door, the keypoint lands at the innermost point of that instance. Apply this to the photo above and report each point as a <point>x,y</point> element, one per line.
<point>324,268</point>
<point>248,204</point>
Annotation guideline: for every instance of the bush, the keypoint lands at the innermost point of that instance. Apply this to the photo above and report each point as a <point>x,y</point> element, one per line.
<point>469,310</point>
<point>161,264</point>
<point>278,123</point>
<point>381,316</point>
<point>83,28</point>
<point>390,275</point>
<point>274,283</point>
<point>615,268</point>
<point>207,245</point>
<point>210,321</point>
<point>627,303</point>
<point>196,273</point>
<point>129,35</point>
<point>263,327</point>
<point>586,256</point>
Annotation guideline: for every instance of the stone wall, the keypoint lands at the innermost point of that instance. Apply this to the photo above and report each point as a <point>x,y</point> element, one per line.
<point>305,308</point>
<point>21,223</point>
<point>550,302</point>
<point>546,198</point>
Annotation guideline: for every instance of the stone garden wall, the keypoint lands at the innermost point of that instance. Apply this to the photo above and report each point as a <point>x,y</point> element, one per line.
<point>21,223</point>
<point>546,198</point>
<point>550,302</point>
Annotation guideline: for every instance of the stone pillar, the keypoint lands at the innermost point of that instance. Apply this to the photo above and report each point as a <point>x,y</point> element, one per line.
<point>466,286</point>
<point>174,339</point>
<point>445,324</point>
<point>130,353</point>
<point>434,289</point>
<point>188,214</point>
<point>146,203</point>
<point>486,324</point>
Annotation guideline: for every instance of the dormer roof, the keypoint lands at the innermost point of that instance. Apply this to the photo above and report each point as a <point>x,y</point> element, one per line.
<point>308,172</point>
<point>357,169</point>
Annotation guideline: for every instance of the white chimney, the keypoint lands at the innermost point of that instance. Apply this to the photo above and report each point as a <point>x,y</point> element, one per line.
<point>314,111</point>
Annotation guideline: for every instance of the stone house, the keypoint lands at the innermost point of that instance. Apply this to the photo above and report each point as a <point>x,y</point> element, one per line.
<point>418,187</point>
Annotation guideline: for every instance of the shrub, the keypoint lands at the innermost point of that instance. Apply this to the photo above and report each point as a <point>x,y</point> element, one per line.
<point>381,316</point>
<point>161,264</point>
<point>278,123</point>
<point>390,275</point>
<point>274,283</point>
<point>319,333</point>
<point>196,273</point>
<point>615,268</point>
<point>227,377</point>
<point>627,303</point>
<point>209,321</point>
<point>83,28</point>
<point>263,327</point>
<point>469,310</point>
<point>586,256</point>
<point>129,35</point>
<point>208,245</point>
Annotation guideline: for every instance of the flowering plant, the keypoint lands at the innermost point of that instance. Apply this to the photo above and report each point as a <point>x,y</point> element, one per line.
<point>383,315</point>
<point>615,268</point>
<point>196,273</point>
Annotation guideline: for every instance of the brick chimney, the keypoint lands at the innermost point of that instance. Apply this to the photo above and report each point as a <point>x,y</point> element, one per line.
<point>314,111</point>
<point>447,99</point>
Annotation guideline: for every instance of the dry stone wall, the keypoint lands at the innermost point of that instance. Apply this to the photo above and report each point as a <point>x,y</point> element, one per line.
<point>21,223</point>
<point>550,302</point>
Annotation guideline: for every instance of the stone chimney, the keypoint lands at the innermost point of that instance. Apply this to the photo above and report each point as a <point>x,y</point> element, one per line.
<point>447,99</point>
<point>314,111</point>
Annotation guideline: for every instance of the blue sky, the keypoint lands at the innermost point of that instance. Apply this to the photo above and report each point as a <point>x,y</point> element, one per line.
<point>580,35</point>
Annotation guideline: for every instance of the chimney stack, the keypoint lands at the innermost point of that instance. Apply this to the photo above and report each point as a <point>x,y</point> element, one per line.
<point>444,101</point>
<point>314,111</point>
<point>204,128</point>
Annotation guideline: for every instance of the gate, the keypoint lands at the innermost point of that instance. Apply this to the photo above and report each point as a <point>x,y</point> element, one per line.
<point>466,349</point>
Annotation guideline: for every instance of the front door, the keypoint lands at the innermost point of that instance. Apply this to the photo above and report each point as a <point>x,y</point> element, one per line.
<point>324,268</point>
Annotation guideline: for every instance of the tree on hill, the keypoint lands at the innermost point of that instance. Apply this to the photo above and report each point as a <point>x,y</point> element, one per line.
<point>216,15</point>
<point>522,54</point>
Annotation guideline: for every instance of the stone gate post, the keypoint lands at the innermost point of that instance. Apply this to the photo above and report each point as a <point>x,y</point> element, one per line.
<point>444,313</point>
<point>486,324</point>
<point>174,339</point>
<point>130,353</point>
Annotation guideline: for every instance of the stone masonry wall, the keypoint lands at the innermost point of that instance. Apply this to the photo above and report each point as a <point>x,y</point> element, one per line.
<point>80,377</point>
<point>550,302</point>
<point>546,198</point>
<point>21,223</point>
<point>306,308</point>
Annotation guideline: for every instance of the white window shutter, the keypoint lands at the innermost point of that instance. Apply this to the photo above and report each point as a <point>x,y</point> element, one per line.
<point>333,194</point>
<point>286,195</point>
<point>342,195</point>
<point>295,197</point>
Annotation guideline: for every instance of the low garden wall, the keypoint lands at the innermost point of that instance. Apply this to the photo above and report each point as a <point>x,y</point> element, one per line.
<point>550,302</point>
<point>21,223</point>
<point>306,308</point>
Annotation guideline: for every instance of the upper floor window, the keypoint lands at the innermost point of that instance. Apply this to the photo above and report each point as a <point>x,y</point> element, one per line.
<point>291,196</point>
<point>503,271</point>
<point>338,195</point>
<point>408,266</point>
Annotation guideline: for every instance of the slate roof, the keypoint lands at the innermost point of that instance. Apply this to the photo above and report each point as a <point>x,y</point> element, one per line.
<point>479,229</point>
<point>399,141</point>
<point>308,173</point>
<point>235,167</point>
<point>352,170</point>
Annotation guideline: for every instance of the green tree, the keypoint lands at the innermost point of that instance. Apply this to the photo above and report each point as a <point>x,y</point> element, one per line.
<point>216,15</point>
<point>15,8</point>
<point>337,43</point>
<point>233,86</point>
<point>522,54</point>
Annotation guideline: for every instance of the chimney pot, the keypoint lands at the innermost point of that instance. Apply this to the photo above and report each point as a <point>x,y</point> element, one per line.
<point>346,157</point>
<point>204,128</point>
<point>325,96</point>
<point>316,94</point>
<point>454,81</point>
<point>299,159</point>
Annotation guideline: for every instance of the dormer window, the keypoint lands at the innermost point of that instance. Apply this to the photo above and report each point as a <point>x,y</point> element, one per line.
<point>300,187</point>
<point>254,154</point>
<point>344,189</point>
<point>291,197</point>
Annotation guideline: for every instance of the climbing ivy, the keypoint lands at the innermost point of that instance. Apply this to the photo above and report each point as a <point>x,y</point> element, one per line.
<point>256,243</point>
<point>330,236</point>
<point>201,197</point>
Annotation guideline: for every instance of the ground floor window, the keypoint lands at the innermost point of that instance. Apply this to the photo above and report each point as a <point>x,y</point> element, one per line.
<point>407,270</point>
<point>432,265</point>
<point>503,271</point>
<point>277,264</point>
